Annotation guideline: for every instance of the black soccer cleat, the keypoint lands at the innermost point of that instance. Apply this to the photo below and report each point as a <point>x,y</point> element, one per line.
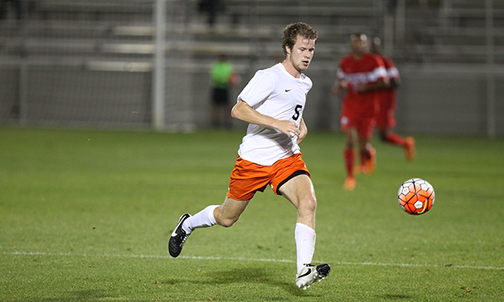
<point>311,273</point>
<point>178,237</point>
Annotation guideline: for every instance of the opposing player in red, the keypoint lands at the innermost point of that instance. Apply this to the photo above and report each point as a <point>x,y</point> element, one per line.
<point>385,119</point>
<point>361,74</point>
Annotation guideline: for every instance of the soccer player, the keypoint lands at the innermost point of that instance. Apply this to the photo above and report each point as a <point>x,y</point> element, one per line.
<point>272,103</point>
<point>361,74</point>
<point>221,76</point>
<point>385,119</point>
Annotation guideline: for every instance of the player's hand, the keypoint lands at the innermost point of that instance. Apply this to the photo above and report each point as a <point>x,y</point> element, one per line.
<point>287,127</point>
<point>302,134</point>
<point>361,88</point>
<point>339,87</point>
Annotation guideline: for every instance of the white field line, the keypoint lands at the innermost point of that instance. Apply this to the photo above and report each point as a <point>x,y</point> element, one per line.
<point>252,260</point>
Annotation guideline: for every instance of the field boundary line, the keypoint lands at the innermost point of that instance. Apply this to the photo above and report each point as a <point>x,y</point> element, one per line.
<point>249,259</point>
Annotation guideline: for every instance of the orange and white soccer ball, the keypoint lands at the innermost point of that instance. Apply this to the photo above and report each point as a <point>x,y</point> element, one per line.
<point>416,196</point>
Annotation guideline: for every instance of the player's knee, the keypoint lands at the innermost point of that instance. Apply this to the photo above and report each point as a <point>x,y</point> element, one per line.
<point>350,144</point>
<point>308,204</point>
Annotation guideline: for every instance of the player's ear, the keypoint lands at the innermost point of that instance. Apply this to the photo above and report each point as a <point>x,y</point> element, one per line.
<point>287,49</point>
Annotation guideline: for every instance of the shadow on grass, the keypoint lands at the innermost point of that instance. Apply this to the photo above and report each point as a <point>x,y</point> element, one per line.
<point>259,275</point>
<point>82,295</point>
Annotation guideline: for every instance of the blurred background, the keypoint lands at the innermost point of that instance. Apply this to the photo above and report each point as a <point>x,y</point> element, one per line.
<point>145,64</point>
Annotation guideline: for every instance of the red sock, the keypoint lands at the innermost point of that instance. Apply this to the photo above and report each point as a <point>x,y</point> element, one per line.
<point>349,161</point>
<point>395,139</point>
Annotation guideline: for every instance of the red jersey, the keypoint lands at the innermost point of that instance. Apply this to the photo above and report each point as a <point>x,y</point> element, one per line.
<point>389,95</point>
<point>367,70</point>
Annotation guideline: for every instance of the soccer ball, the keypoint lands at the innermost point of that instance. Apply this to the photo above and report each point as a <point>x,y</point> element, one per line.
<point>416,196</point>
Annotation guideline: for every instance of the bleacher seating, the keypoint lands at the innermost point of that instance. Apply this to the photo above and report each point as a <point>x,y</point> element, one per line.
<point>97,10</point>
<point>123,29</point>
<point>455,34</point>
<point>317,12</point>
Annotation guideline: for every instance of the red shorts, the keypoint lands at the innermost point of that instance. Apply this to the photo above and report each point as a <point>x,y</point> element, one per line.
<point>359,115</point>
<point>247,177</point>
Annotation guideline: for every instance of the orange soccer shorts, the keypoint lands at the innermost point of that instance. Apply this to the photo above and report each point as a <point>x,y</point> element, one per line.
<point>247,177</point>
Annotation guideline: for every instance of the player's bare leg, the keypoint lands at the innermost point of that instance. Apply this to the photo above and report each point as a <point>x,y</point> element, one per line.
<point>300,192</point>
<point>230,211</point>
<point>225,215</point>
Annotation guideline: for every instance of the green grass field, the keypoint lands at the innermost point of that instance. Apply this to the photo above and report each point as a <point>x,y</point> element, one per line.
<point>85,215</point>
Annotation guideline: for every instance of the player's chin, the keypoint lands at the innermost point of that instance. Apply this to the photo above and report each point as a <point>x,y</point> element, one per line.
<point>303,67</point>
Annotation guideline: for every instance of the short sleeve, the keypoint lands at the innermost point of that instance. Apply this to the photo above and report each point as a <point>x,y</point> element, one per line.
<point>258,89</point>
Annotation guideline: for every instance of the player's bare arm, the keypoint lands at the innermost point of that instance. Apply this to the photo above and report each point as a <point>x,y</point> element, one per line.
<point>303,131</point>
<point>339,86</point>
<point>244,112</point>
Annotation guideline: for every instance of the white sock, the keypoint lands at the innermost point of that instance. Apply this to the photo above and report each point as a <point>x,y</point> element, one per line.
<point>202,219</point>
<point>305,245</point>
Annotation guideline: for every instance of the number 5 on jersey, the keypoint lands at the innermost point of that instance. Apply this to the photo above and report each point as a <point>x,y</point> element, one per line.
<point>297,111</point>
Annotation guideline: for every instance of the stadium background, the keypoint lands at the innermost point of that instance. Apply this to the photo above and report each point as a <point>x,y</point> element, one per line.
<point>90,63</point>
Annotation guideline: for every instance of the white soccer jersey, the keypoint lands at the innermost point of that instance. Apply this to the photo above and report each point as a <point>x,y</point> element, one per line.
<point>275,93</point>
